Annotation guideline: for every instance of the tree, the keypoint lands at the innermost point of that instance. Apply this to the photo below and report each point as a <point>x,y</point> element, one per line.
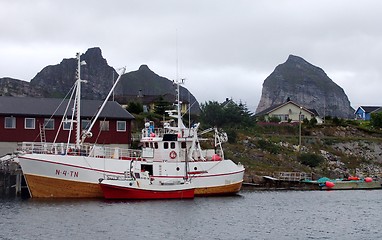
<point>376,120</point>
<point>135,107</point>
<point>212,114</point>
<point>231,115</point>
<point>161,106</point>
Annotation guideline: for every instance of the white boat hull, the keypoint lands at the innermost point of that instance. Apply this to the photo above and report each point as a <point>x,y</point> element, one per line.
<point>50,175</point>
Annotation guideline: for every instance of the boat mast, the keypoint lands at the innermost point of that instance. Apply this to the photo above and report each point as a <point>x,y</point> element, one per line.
<point>178,105</point>
<point>78,102</point>
<point>88,132</point>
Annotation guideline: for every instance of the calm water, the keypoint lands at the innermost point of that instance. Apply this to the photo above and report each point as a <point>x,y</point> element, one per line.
<point>250,215</point>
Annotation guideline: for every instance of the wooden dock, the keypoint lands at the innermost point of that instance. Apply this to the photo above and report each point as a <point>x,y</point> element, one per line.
<point>283,181</point>
<point>11,177</point>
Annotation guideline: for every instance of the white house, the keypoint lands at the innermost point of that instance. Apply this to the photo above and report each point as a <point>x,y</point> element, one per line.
<point>290,112</point>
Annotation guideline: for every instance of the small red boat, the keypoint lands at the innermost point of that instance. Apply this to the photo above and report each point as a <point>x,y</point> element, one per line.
<point>144,188</point>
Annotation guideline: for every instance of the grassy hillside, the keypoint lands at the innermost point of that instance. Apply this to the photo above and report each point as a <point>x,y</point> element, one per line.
<point>327,150</point>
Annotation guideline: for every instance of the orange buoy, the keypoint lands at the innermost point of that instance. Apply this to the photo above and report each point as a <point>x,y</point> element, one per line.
<point>353,178</point>
<point>329,184</point>
<point>368,179</point>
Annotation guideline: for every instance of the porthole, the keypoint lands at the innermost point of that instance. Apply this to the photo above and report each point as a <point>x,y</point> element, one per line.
<point>177,169</point>
<point>195,168</point>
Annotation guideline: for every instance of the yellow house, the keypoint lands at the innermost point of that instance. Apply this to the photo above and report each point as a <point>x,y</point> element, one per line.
<point>290,112</point>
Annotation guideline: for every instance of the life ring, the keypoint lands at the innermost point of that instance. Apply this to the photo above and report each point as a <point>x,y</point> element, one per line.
<point>172,154</point>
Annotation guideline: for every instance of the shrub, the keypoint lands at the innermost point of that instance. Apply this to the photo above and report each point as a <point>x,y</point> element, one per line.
<point>268,146</point>
<point>274,119</point>
<point>376,120</point>
<point>232,135</point>
<point>310,159</point>
<point>338,121</point>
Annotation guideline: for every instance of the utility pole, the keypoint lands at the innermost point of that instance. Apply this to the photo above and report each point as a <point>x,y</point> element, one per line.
<point>299,130</point>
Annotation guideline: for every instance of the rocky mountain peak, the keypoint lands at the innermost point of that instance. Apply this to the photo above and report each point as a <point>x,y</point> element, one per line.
<point>94,55</point>
<point>306,85</point>
<point>144,67</point>
<point>58,79</point>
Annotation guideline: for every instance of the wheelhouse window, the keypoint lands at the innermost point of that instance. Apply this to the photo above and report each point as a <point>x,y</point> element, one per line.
<point>121,126</point>
<point>30,123</point>
<point>104,126</point>
<point>10,122</point>
<point>172,145</point>
<point>165,145</point>
<point>49,124</point>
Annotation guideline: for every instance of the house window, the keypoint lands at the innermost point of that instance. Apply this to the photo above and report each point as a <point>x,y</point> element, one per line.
<point>104,126</point>
<point>29,123</point>
<point>66,125</point>
<point>49,124</point>
<point>10,122</point>
<point>121,126</point>
<point>282,117</point>
<point>302,117</point>
<point>85,124</point>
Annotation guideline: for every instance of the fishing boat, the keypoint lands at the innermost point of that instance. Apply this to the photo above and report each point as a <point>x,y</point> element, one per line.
<point>139,185</point>
<point>72,169</point>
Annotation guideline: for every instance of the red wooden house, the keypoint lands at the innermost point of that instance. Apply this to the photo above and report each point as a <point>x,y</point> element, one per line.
<point>23,119</point>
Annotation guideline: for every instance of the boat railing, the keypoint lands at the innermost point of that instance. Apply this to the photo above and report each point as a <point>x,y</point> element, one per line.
<point>115,153</point>
<point>85,150</point>
<point>293,176</point>
<point>207,155</point>
<point>50,148</point>
<point>153,132</point>
<point>159,132</point>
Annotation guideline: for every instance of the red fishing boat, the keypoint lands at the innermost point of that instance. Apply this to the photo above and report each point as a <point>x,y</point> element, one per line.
<point>141,186</point>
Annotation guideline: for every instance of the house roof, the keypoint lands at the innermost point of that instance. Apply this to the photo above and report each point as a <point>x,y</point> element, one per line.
<point>368,109</point>
<point>315,113</point>
<point>274,107</point>
<point>227,102</point>
<point>55,106</point>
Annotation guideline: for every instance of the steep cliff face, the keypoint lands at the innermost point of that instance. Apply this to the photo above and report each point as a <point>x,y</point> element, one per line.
<point>58,79</point>
<point>18,88</point>
<point>146,82</point>
<point>306,85</point>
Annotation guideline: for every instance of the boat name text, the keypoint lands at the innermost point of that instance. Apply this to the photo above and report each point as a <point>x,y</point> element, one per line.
<point>66,173</point>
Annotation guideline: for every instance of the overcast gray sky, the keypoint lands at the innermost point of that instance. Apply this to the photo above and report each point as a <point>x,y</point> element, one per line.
<point>222,48</point>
